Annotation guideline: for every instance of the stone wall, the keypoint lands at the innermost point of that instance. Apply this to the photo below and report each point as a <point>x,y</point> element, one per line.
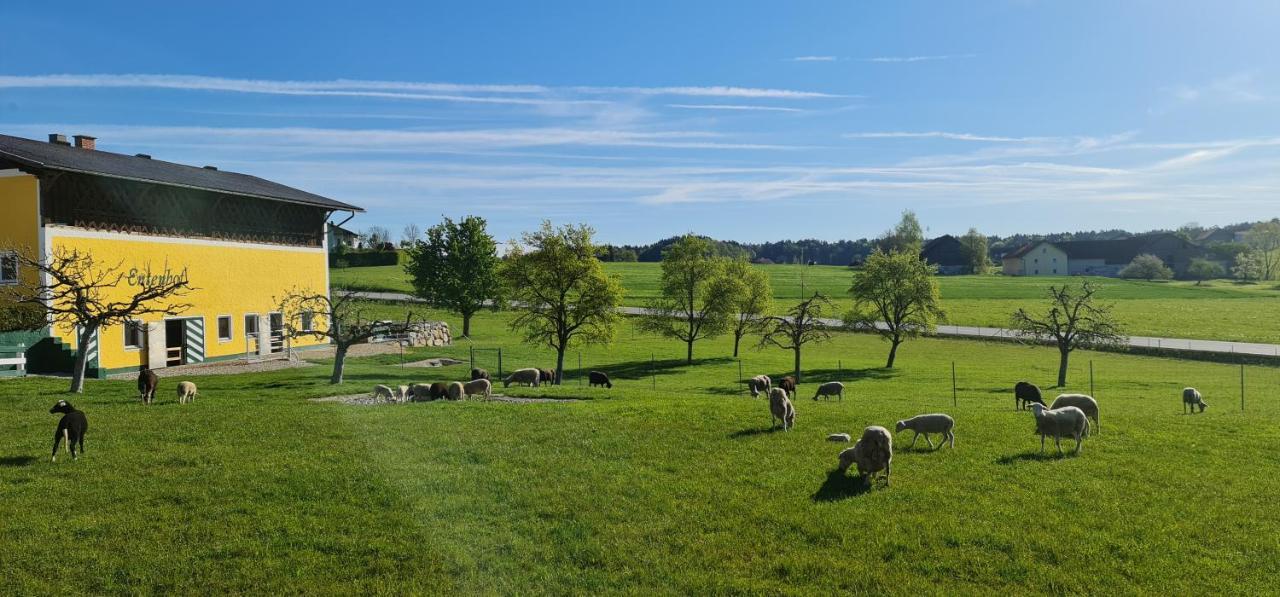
<point>431,333</point>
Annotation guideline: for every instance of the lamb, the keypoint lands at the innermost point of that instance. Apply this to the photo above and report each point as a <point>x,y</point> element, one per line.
<point>478,373</point>
<point>187,392</point>
<point>384,392</point>
<point>926,424</point>
<point>1068,421</point>
<point>457,391</point>
<point>788,383</point>
<point>147,384</point>
<point>781,409</point>
<point>523,376</point>
<point>759,383</point>
<point>599,378</point>
<point>831,388</point>
<point>546,376</point>
<point>1191,398</point>
<point>478,387</point>
<point>1080,401</point>
<point>71,429</point>
<point>872,454</point>
<point>1024,393</point>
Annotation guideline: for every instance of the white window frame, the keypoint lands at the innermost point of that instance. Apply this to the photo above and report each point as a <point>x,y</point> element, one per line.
<point>142,335</point>
<point>307,321</point>
<point>16,274</point>
<point>231,328</point>
<point>256,324</point>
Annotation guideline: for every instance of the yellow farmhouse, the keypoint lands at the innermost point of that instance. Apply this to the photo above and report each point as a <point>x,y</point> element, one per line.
<point>241,242</point>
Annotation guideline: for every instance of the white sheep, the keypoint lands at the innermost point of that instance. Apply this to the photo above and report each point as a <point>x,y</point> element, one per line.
<point>1080,401</point>
<point>186,392</point>
<point>759,383</point>
<point>478,387</point>
<point>403,393</point>
<point>831,388</point>
<point>1191,398</point>
<point>873,453</point>
<point>781,409</point>
<point>457,391</point>
<point>522,376</point>
<point>1067,421</point>
<point>383,392</point>
<point>926,424</point>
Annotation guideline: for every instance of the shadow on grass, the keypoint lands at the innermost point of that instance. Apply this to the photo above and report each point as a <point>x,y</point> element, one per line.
<point>754,432</point>
<point>15,461</point>
<point>644,369</point>
<point>810,377</point>
<point>1035,456</point>
<point>839,486</point>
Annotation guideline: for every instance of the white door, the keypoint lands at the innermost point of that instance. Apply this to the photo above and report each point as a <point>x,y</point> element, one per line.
<point>156,350</point>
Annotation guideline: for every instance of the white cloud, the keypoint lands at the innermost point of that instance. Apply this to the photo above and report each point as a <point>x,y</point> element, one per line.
<point>733,107</point>
<point>814,59</point>
<point>917,58</point>
<point>713,91</point>
<point>941,135</point>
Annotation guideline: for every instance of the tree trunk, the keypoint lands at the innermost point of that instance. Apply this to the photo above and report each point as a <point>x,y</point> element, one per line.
<point>339,361</point>
<point>893,353</point>
<point>737,338</point>
<point>560,365</point>
<point>689,352</point>
<point>797,351</point>
<point>466,324</point>
<point>1063,355</point>
<point>82,359</point>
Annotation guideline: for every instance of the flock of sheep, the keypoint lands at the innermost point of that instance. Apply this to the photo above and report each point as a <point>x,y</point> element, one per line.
<point>1068,416</point>
<point>480,385</point>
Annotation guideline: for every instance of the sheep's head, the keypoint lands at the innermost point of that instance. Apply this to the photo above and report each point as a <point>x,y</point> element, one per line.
<point>900,426</point>
<point>1203,405</point>
<point>1038,408</point>
<point>61,407</point>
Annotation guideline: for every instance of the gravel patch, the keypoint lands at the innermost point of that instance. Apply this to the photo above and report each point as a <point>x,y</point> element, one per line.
<point>436,362</point>
<point>221,368</point>
<point>369,400</point>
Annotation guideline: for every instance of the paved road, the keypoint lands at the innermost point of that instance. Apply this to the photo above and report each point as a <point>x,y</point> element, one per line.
<point>1185,344</point>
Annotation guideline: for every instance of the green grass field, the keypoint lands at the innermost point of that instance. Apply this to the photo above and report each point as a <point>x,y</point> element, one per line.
<point>682,489</point>
<point>1217,310</point>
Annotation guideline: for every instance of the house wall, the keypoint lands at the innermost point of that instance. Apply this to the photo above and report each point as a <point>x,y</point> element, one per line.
<point>1092,267</point>
<point>1011,266</point>
<point>20,206</point>
<point>1045,260</point>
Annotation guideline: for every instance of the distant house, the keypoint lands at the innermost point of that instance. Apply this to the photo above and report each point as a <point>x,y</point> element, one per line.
<point>1230,234</point>
<point>341,237</point>
<point>1099,257</point>
<point>947,253</point>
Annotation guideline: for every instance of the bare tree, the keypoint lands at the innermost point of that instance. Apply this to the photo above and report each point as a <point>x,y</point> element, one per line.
<point>802,325</point>
<point>341,317</point>
<point>410,235</point>
<point>1074,320</point>
<point>77,290</point>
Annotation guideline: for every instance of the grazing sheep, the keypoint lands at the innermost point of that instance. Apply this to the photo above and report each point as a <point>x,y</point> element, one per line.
<point>478,373</point>
<point>759,383</point>
<point>1191,398</point>
<point>1024,393</point>
<point>478,387</point>
<point>872,454</point>
<point>439,390</point>
<point>187,392</point>
<point>457,391</point>
<point>71,429</point>
<point>1066,421</point>
<point>1082,402</point>
<point>839,437</point>
<point>781,409</point>
<point>546,376</point>
<point>599,378</point>
<point>383,392</point>
<point>523,376</point>
<point>788,383</point>
<point>829,389</point>
<point>147,384</point>
<point>403,393</point>
<point>926,424</point>
<point>420,392</point>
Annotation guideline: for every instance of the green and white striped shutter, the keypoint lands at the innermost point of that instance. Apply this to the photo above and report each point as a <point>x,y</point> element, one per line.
<point>193,338</point>
<point>91,351</point>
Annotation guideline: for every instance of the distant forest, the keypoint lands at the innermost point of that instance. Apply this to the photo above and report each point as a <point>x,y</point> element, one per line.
<point>846,252</point>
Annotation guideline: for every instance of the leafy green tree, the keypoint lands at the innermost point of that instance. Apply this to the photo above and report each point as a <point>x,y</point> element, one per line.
<point>1264,239</point>
<point>896,296</point>
<point>696,298</point>
<point>906,237</point>
<point>1203,269</point>
<point>1074,320</point>
<point>456,268</point>
<point>1248,266</point>
<point>1146,267</point>
<point>754,299</point>
<point>561,293</point>
<point>975,252</point>
<point>803,324</point>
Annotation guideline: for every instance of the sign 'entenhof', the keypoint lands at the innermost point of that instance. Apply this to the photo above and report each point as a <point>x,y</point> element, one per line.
<point>146,278</point>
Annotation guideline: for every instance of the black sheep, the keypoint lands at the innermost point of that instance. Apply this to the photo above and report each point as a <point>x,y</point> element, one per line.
<point>439,390</point>
<point>147,384</point>
<point>1026,393</point>
<point>546,376</point>
<point>788,383</point>
<point>599,378</point>
<point>71,429</point>
<point>479,373</point>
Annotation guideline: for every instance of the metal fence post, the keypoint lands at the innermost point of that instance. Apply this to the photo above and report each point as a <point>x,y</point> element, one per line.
<point>1241,387</point>
<point>953,383</point>
<point>579,368</point>
<point>1091,391</point>
<point>499,361</point>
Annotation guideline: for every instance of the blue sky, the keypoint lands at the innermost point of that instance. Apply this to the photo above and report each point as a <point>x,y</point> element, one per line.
<point>746,120</point>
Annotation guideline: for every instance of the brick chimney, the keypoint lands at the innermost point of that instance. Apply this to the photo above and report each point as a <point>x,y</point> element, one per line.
<point>58,139</point>
<point>86,142</point>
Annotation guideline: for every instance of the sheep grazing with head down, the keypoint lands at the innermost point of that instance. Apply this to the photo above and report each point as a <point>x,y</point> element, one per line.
<point>788,383</point>
<point>599,378</point>
<point>1068,421</point>
<point>1191,398</point>
<point>147,384</point>
<point>758,384</point>
<point>873,453</point>
<point>457,391</point>
<point>402,393</point>
<point>478,373</point>
<point>829,389</point>
<point>381,392</point>
<point>478,387</point>
<point>926,424</point>
<point>1080,401</point>
<point>187,392</point>
<point>1025,393</point>
<point>71,429</point>
<point>546,376</point>
<point>528,376</point>
<point>781,409</point>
